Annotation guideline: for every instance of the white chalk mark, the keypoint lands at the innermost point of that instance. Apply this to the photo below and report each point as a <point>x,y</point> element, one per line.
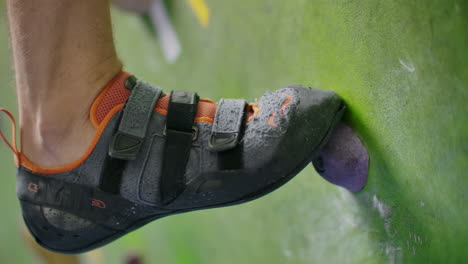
<point>392,250</point>
<point>410,68</point>
<point>381,207</point>
<point>395,255</point>
<point>166,33</point>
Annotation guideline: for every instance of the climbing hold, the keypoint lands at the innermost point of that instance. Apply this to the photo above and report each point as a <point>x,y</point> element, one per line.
<point>344,160</point>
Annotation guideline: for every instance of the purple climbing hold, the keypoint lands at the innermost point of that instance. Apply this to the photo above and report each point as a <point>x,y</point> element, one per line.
<point>344,160</point>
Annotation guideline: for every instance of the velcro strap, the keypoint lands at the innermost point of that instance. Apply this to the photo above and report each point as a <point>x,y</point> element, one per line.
<point>133,126</point>
<point>81,200</point>
<point>179,132</point>
<point>227,125</point>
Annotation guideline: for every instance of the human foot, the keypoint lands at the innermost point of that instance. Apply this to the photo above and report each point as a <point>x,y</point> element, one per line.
<point>154,155</point>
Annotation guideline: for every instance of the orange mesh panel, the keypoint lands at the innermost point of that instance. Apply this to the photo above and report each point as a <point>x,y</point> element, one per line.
<point>163,102</point>
<point>206,107</point>
<point>116,94</point>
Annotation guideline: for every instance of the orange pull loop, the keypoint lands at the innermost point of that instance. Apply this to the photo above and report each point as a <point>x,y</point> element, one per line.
<point>11,145</point>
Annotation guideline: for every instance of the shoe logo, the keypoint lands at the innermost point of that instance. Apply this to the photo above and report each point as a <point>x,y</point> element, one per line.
<point>32,187</point>
<point>98,203</point>
<point>286,102</point>
<point>271,120</point>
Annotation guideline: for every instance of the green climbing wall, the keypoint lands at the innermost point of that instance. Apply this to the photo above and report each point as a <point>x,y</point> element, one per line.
<point>402,68</point>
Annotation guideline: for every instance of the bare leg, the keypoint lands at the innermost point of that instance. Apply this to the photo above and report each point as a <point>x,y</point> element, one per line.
<point>64,54</point>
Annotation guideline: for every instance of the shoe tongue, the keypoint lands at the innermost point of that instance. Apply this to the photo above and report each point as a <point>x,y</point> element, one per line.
<point>115,94</point>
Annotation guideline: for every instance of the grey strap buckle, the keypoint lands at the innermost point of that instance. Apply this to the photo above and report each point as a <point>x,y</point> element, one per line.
<point>226,131</point>
<point>127,141</point>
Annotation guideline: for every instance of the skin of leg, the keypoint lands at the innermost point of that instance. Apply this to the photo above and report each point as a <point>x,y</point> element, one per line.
<point>64,55</point>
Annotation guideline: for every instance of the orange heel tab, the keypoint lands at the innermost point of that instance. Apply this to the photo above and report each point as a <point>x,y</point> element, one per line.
<point>11,145</point>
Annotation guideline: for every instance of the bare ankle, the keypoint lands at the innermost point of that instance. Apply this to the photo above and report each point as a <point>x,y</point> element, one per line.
<point>53,145</point>
<point>57,130</point>
<point>64,54</point>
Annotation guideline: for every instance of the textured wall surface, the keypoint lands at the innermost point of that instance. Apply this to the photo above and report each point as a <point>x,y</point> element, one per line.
<point>402,67</point>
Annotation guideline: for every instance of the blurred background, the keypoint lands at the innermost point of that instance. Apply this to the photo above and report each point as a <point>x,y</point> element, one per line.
<point>402,68</point>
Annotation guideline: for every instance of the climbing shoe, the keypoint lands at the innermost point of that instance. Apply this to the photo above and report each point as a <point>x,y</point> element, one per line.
<point>157,154</point>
